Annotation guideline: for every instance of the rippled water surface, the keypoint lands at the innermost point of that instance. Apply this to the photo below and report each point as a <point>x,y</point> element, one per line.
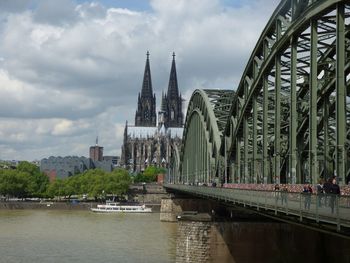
<point>82,236</point>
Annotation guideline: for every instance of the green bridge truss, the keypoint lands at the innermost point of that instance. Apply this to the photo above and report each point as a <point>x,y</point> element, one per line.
<point>289,119</point>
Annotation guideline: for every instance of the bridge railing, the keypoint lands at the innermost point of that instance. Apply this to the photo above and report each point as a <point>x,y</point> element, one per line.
<point>331,209</point>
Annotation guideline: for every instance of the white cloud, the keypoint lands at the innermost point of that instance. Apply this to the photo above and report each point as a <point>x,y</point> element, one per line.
<point>22,99</point>
<point>70,72</point>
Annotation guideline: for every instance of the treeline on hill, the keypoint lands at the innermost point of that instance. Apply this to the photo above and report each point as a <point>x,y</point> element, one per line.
<point>27,181</point>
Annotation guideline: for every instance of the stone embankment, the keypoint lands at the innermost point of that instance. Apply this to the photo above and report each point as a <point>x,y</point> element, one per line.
<point>45,205</point>
<point>11,205</point>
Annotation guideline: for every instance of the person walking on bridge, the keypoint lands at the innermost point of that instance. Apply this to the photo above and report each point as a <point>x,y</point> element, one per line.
<point>320,192</point>
<point>284,195</point>
<point>335,192</point>
<point>277,192</point>
<point>307,191</point>
<point>327,190</point>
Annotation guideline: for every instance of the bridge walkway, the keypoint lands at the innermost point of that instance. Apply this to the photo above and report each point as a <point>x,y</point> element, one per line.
<point>306,207</point>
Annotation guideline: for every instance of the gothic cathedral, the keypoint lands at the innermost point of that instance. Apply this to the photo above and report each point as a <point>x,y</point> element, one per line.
<point>148,142</point>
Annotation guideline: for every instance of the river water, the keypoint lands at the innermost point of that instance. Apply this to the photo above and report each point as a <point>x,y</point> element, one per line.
<point>83,236</point>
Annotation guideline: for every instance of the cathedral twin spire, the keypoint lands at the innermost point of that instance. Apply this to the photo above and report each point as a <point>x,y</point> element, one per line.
<point>171,105</point>
<point>146,105</point>
<point>173,100</point>
<point>147,80</point>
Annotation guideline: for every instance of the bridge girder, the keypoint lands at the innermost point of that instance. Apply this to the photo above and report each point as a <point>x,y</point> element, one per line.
<point>290,115</point>
<point>200,158</point>
<point>289,119</point>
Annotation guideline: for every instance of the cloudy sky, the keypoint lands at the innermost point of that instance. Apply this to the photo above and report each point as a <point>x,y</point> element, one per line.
<point>72,69</point>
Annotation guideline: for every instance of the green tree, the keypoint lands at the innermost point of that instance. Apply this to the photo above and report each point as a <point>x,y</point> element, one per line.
<point>56,188</point>
<point>150,174</point>
<point>118,182</point>
<point>72,185</point>
<point>94,182</point>
<point>37,181</point>
<point>28,167</point>
<point>14,183</point>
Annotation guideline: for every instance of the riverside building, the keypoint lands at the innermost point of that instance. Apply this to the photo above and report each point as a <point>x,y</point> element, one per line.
<point>63,167</point>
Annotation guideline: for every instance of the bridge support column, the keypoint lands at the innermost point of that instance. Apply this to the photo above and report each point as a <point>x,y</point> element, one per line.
<point>169,210</point>
<point>340,94</point>
<point>313,162</point>
<point>278,118</point>
<point>172,207</point>
<point>238,161</point>
<point>293,114</point>
<point>199,239</point>
<point>267,177</point>
<point>277,132</point>
<point>255,142</point>
<point>327,164</point>
<point>266,161</point>
<point>193,239</point>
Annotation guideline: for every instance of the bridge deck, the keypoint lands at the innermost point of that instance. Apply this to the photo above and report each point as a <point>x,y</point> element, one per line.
<point>304,206</point>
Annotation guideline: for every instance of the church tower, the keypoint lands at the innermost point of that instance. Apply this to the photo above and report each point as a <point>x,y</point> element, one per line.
<point>173,110</point>
<point>146,105</point>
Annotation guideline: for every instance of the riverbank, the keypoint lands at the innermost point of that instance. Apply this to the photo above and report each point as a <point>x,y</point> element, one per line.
<point>10,205</point>
<point>44,205</point>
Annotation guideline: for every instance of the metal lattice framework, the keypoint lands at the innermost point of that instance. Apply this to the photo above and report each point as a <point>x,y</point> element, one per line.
<point>289,118</point>
<point>206,118</point>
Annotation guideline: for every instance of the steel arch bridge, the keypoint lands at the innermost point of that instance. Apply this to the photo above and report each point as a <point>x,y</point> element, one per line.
<point>206,117</point>
<point>289,119</point>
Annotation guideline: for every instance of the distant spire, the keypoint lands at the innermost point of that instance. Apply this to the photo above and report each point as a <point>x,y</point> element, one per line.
<point>146,105</point>
<point>173,100</point>
<point>96,140</point>
<point>147,90</point>
<point>173,91</point>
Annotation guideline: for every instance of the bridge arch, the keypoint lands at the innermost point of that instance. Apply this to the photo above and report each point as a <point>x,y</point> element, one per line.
<point>200,159</point>
<point>290,117</point>
<point>174,164</point>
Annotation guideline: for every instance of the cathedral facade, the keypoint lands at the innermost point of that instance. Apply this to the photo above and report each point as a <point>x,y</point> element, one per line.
<point>149,142</point>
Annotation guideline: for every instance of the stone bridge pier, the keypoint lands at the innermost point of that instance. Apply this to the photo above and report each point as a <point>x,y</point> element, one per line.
<point>172,207</point>
<point>210,232</point>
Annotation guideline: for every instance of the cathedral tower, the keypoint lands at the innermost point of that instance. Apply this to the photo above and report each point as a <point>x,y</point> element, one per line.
<point>145,144</point>
<point>146,105</point>
<point>172,101</point>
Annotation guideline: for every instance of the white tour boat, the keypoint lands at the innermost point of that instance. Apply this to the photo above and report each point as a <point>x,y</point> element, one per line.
<point>118,208</point>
